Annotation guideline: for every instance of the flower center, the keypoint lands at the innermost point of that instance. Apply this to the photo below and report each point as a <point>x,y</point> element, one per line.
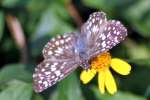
<point>101,62</point>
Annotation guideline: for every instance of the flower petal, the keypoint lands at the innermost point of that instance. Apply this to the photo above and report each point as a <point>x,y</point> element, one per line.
<point>101,81</point>
<point>120,66</point>
<point>86,76</point>
<point>110,82</point>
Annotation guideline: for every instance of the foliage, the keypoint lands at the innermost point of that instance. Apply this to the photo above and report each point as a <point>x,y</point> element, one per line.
<point>43,19</point>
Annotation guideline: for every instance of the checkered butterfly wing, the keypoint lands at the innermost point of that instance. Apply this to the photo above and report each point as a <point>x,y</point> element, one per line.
<point>102,34</point>
<point>59,61</point>
<point>60,47</point>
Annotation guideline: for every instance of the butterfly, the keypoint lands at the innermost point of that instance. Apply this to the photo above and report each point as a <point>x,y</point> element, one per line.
<point>64,53</point>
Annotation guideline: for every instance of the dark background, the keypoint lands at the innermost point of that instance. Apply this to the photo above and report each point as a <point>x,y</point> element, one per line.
<point>27,25</point>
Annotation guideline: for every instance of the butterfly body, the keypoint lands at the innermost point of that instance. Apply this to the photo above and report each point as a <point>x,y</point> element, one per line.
<point>81,49</point>
<point>65,53</point>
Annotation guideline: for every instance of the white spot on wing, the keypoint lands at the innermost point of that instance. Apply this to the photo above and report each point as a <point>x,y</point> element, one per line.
<point>53,76</point>
<point>103,37</point>
<point>115,32</point>
<point>43,69</point>
<point>53,39</point>
<point>93,20</point>
<point>62,67</point>
<point>66,47</point>
<point>59,50</point>
<point>68,39</point>
<point>62,41</point>
<point>61,75</point>
<point>118,33</point>
<point>45,84</point>
<point>57,73</point>
<point>95,28</point>
<point>57,42</point>
<point>50,52</point>
<point>103,44</point>
<point>53,68</point>
<point>47,73</point>
<point>34,75</point>
<point>100,22</point>
<point>55,63</point>
<point>109,28</point>
<point>39,81</point>
<point>47,65</point>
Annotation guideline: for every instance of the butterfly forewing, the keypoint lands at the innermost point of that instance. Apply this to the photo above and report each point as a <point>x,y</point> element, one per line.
<point>60,47</point>
<point>94,27</point>
<point>114,33</point>
<point>49,72</point>
<point>102,34</point>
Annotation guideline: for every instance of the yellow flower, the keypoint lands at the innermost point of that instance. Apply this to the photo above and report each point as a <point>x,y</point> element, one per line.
<point>102,64</point>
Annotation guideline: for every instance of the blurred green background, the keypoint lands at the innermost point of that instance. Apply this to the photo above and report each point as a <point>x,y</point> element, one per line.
<point>27,25</point>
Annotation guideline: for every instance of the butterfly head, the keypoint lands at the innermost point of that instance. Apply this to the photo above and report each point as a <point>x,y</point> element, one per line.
<point>84,60</point>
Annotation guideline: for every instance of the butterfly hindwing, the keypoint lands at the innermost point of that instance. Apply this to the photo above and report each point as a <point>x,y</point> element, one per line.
<point>50,72</point>
<point>59,61</point>
<point>113,33</point>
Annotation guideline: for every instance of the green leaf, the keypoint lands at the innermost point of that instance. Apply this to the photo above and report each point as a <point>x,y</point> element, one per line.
<point>37,5</point>
<point>68,89</point>
<point>140,62</point>
<point>64,2</point>
<point>11,3</point>
<point>133,48</point>
<point>99,4</point>
<point>139,17</point>
<point>17,90</point>
<point>133,83</point>
<point>113,7</point>
<point>37,97</point>
<point>1,24</point>
<point>14,71</point>
<point>54,95</point>
<point>53,22</point>
<point>147,93</point>
<point>118,96</point>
